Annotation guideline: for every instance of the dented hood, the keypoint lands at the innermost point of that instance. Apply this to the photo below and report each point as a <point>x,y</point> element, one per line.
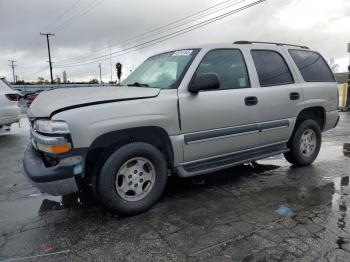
<point>49,102</point>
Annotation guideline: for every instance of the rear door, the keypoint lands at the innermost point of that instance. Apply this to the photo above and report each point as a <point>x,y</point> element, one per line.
<point>279,94</point>
<point>219,122</point>
<point>318,80</point>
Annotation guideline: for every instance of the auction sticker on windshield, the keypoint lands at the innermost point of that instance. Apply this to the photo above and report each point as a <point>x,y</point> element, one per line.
<point>182,53</point>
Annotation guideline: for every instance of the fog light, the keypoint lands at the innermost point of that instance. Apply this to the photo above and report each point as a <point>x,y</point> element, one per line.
<point>54,149</point>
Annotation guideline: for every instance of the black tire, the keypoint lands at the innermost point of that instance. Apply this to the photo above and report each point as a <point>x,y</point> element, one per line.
<point>106,181</point>
<point>295,156</point>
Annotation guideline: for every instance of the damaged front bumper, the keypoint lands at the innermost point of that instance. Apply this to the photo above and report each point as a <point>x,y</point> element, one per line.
<point>55,180</point>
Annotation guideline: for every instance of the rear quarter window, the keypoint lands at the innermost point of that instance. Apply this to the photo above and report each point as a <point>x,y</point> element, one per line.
<point>312,66</point>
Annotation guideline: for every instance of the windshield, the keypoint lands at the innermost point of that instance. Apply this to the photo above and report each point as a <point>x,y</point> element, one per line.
<point>162,71</point>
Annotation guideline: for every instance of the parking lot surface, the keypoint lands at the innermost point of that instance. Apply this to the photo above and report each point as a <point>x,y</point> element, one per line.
<point>269,211</point>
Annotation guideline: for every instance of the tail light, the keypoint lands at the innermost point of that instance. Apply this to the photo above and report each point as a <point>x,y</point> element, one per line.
<point>31,97</point>
<point>13,97</point>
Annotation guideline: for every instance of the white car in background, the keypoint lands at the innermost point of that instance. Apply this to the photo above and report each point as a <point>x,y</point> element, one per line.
<point>9,109</point>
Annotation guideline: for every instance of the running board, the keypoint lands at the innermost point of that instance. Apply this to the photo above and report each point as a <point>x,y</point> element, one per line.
<point>216,164</point>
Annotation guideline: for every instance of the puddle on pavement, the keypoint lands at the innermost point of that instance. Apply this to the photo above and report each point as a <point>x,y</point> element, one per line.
<point>37,205</point>
<point>339,201</point>
<point>340,207</point>
<point>329,151</point>
<point>21,209</point>
<point>65,202</point>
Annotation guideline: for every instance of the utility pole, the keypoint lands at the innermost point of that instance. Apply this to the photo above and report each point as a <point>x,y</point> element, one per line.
<point>110,60</point>
<point>99,65</point>
<point>48,49</point>
<point>13,69</point>
<point>348,89</point>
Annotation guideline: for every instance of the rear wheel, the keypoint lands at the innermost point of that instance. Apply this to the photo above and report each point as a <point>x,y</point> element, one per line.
<point>132,178</point>
<point>305,144</point>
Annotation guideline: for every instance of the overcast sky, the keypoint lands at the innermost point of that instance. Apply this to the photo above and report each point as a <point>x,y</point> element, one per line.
<point>82,28</point>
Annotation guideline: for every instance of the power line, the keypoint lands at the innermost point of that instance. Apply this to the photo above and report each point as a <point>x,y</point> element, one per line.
<point>12,65</point>
<point>63,14</point>
<point>78,15</point>
<point>202,13</point>
<point>33,74</point>
<point>33,40</point>
<point>48,49</point>
<point>166,37</point>
<point>28,67</point>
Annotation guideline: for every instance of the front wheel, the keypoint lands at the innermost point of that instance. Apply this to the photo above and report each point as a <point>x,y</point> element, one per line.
<point>305,144</point>
<point>132,179</point>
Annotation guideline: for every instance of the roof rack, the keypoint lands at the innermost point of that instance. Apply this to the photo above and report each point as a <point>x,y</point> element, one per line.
<point>272,43</point>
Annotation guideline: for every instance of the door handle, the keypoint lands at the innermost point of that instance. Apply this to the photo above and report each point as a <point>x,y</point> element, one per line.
<point>294,96</point>
<point>251,100</point>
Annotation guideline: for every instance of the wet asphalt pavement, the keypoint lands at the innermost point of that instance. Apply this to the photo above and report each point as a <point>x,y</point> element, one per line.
<point>265,212</point>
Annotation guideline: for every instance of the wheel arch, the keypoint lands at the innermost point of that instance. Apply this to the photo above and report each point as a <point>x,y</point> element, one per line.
<point>317,113</point>
<point>107,143</point>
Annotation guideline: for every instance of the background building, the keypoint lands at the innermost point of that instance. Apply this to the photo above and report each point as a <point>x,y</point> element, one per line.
<point>64,77</point>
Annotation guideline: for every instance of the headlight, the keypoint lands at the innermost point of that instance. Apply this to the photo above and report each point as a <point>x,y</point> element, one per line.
<point>51,126</point>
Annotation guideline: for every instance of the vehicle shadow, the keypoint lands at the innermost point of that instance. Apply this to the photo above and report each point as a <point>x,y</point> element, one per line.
<point>178,186</point>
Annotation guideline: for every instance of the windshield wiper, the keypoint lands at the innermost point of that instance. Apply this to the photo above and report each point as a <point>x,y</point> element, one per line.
<point>138,84</point>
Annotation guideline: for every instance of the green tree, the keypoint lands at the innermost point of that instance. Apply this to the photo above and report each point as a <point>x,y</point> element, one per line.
<point>40,80</point>
<point>93,81</point>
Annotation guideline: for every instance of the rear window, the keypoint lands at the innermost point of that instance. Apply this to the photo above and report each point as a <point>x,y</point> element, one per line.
<point>4,85</point>
<point>312,66</point>
<point>271,68</point>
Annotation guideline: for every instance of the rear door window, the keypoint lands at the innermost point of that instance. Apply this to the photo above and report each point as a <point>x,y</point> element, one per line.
<point>271,68</point>
<point>312,66</point>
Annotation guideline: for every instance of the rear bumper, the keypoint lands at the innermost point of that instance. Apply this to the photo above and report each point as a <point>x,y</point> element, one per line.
<point>56,180</point>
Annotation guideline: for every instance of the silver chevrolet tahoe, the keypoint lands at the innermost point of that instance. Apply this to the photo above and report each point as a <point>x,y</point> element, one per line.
<point>186,112</point>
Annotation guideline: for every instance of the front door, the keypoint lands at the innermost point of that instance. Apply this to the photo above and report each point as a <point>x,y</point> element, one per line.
<point>222,121</point>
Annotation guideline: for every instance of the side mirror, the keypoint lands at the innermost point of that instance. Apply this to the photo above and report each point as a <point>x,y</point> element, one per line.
<point>208,81</point>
